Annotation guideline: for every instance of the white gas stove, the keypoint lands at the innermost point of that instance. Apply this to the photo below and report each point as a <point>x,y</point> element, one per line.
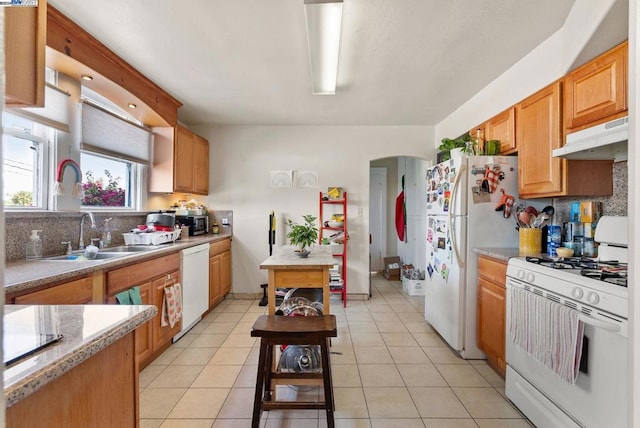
<point>597,290</point>
<point>585,281</point>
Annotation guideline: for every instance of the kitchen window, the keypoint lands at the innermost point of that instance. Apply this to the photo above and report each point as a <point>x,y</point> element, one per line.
<point>108,182</point>
<point>25,149</point>
<point>115,152</point>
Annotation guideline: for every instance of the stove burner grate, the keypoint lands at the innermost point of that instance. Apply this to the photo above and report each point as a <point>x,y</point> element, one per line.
<point>578,263</point>
<point>613,277</point>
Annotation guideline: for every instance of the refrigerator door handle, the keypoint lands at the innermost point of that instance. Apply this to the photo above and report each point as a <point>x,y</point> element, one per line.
<point>454,191</point>
<point>452,231</point>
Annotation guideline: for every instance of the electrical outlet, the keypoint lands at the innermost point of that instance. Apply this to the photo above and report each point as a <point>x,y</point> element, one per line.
<point>225,221</point>
<point>360,212</point>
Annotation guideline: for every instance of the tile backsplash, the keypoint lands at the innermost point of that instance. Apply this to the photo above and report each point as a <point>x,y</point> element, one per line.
<point>62,226</point>
<point>65,226</point>
<point>616,204</point>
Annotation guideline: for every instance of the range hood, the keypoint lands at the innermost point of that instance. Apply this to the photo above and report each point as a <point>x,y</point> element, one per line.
<point>607,141</point>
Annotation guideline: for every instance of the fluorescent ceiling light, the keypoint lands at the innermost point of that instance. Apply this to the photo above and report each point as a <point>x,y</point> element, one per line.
<point>323,19</point>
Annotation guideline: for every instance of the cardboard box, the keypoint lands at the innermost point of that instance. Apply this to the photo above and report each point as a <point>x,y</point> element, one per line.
<point>590,212</point>
<point>413,287</point>
<point>392,267</point>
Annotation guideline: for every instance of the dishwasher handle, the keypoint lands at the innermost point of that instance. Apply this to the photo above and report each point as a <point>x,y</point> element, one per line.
<point>195,249</point>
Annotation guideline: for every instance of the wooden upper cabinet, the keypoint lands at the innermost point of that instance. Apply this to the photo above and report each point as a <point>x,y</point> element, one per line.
<point>180,162</point>
<point>502,127</point>
<point>200,165</point>
<point>25,41</point>
<point>538,133</point>
<point>183,160</point>
<point>597,91</point>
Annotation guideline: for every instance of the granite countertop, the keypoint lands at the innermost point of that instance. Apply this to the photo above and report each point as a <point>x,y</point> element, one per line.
<point>503,254</point>
<point>23,275</point>
<point>87,329</point>
<point>285,258</point>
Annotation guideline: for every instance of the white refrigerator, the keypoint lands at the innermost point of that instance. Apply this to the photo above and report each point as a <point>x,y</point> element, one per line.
<point>468,200</point>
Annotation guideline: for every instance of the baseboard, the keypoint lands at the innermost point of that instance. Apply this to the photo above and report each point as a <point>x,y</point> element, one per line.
<point>245,296</point>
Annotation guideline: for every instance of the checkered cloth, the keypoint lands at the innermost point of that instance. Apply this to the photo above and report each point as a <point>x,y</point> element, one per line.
<point>492,178</point>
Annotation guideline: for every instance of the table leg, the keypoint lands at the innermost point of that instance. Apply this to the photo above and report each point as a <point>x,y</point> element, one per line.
<point>271,292</point>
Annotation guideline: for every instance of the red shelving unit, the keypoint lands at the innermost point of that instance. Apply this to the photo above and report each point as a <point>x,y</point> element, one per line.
<point>331,232</point>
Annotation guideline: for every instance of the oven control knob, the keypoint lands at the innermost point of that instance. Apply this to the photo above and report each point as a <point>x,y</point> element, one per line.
<point>593,298</point>
<point>521,274</point>
<point>577,293</point>
<point>531,277</point>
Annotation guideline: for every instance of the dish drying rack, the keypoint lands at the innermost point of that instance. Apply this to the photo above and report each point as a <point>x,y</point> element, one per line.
<point>151,238</point>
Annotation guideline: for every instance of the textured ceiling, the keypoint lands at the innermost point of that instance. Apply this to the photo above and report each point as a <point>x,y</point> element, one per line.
<point>402,62</point>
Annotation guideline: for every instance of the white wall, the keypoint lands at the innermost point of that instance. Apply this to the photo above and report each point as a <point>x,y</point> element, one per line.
<point>542,66</point>
<point>241,158</point>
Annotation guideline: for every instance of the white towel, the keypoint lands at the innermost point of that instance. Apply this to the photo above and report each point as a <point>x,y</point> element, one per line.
<point>548,331</point>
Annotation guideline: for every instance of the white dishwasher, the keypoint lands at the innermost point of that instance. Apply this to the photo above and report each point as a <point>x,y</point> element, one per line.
<point>194,265</point>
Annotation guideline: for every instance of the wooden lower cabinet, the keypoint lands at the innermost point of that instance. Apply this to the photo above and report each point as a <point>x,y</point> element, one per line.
<point>215,286</point>
<point>100,392</point>
<point>162,335</point>
<point>492,311</point>
<point>219,271</point>
<point>76,292</point>
<point>143,334</point>
<point>150,276</point>
<point>225,272</point>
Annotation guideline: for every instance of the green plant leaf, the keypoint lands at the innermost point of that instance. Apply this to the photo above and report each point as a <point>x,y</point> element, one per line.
<point>303,235</point>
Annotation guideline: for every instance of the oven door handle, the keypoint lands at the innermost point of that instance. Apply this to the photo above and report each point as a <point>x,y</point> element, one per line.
<point>599,324</point>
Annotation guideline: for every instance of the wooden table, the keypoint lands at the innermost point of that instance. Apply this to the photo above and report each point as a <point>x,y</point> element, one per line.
<point>287,270</point>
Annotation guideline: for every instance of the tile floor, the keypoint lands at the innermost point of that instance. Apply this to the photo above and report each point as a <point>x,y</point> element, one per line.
<point>389,370</point>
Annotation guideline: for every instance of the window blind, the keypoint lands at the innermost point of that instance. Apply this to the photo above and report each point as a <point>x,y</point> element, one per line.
<point>55,112</point>
<point>107,134</point>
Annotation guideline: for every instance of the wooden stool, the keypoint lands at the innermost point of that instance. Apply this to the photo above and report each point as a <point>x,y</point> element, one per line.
<point>277,330</point>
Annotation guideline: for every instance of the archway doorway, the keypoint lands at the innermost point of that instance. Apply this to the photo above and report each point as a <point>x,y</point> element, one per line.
<point>383,192</point>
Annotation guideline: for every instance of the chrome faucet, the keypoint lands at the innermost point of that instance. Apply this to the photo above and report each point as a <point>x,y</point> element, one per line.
<point>93,226</point>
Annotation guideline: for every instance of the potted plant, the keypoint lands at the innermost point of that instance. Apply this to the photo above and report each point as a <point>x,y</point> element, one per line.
<point>303,235</point>
<point>448,144</point>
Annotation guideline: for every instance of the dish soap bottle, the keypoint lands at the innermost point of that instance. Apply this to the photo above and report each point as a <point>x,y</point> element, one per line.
<point>34,246</point>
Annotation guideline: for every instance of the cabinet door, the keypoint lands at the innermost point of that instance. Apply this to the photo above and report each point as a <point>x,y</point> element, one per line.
<point>225,272</point>
<point>200,165</point>
<point>491,321</point>
<point>502,127</point>
<point>162,335</point>
<point>597,90</point>
<point>183,160</point>
<point>538,133</point>
<point>144,333</point>
<point>215,285</point>
<point>25,39</point>
<point>78,292</point>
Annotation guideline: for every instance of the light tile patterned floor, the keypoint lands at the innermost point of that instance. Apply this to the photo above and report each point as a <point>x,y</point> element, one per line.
<point>390,370</point>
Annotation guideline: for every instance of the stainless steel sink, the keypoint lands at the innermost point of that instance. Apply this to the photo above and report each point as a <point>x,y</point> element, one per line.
<point>128,249</point>
<point>75,257</point>
<point>105,253</point>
